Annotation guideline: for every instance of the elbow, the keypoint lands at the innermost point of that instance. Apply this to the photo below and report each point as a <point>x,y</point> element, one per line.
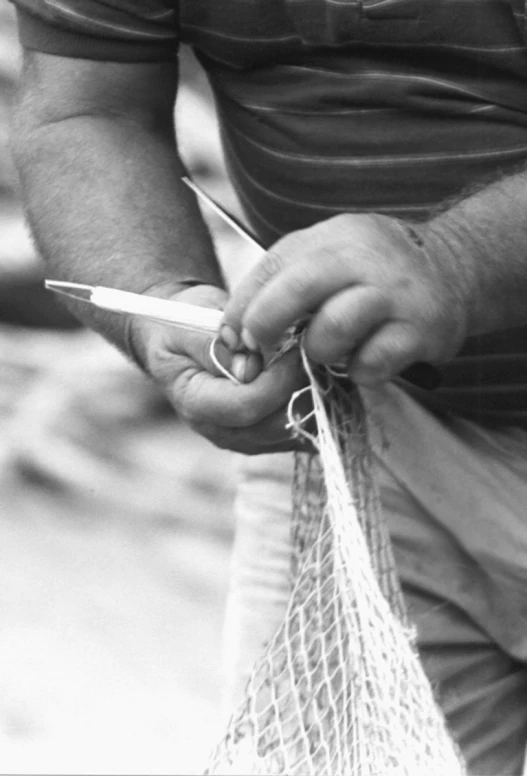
<point>23,135</point>
<point>17,135</point>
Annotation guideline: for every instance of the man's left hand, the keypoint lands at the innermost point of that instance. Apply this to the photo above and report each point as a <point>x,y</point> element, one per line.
<point>373,296</point>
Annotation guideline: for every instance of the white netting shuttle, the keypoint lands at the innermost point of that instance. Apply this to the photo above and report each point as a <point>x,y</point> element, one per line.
<point>340,690</point>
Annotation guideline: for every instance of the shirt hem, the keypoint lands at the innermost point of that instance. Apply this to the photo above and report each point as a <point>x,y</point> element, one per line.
<point>38,35</point>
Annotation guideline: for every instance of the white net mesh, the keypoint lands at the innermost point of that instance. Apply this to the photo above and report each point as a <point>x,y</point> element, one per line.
<point>340,690</point>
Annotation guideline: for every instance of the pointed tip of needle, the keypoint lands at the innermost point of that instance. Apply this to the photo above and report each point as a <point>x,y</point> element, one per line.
<point>74,290</point>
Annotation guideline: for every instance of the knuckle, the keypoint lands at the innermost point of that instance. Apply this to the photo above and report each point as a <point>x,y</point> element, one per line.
<point>330,335</point>
<point>256,322</point>
<point>291,243</point>
<point>334,323</point>
<point>271,264</point>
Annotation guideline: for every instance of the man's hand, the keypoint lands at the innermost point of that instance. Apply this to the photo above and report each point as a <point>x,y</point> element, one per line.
<point>248,418</point>
<point>374,297</point>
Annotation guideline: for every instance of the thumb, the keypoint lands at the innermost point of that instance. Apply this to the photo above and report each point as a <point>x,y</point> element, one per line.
<point>208,351</point>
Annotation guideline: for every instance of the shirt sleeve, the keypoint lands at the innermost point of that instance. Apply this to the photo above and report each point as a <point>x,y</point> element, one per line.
<point>111,30</point>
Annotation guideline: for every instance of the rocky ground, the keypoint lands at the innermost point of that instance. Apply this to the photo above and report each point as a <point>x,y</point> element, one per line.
<point>115,522</point>
<point>115,528</point>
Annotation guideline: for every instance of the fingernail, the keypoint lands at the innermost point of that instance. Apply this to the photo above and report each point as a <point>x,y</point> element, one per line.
<point>246,368</point>
<point>249,341</point>
<point>229,337</point>
<point>238,366</point>
<point>253,367</point>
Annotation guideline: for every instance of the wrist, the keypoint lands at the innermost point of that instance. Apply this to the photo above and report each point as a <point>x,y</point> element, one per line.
<point>477,272</point>
<point>449,252</point>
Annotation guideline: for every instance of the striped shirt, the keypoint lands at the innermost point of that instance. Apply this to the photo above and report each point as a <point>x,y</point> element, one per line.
<point>331,106</point>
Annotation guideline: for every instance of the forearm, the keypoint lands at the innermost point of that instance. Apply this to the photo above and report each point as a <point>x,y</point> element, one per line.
<point>106,204</point>
<point>485,237</point>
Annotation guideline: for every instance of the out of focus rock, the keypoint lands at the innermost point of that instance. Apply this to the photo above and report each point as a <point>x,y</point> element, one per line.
<point>115,519</point>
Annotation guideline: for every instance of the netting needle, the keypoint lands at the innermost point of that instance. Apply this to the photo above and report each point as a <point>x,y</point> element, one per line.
<point>227,217</point>
<point>186,316</point>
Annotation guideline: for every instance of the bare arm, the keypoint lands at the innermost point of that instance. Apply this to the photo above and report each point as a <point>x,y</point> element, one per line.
<point>485,234</point>
<point>95,147</point>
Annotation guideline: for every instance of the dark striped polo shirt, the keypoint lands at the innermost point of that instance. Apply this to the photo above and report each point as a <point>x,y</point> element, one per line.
<point>331,106</point>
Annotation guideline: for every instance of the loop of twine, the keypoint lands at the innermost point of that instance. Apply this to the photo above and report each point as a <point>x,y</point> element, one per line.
<point>219,366</point>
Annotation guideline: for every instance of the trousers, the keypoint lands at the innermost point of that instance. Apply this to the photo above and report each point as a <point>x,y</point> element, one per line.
<point>454,495</point>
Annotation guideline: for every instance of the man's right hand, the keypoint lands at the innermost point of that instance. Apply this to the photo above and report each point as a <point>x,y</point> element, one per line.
<point>248,418</point>
<point>101,174</point>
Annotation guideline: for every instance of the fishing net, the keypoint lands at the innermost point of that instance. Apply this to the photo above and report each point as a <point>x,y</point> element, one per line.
<point>339,690</point>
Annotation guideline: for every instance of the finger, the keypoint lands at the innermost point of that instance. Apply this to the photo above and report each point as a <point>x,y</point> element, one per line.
<point>242,294</point>
<point>387,353</point>
<point>277,294</point>
<point>294,294</point>
<point>201,397</point>
<point>270,435</point>
<point>343,322</point>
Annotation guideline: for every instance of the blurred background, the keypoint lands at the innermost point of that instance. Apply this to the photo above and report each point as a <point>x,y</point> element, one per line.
<point>115,519</point>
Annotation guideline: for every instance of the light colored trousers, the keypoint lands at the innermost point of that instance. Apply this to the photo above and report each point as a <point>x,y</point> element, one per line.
<point>455,497</point>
